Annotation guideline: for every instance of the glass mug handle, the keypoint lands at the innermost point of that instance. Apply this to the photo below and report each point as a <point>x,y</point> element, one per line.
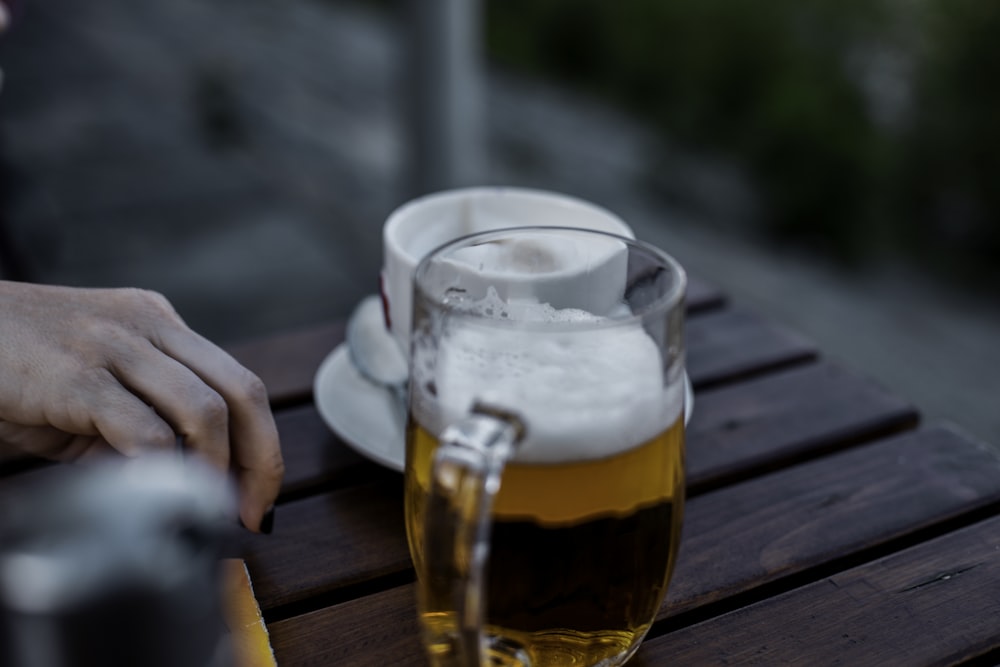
<point>465,477</point>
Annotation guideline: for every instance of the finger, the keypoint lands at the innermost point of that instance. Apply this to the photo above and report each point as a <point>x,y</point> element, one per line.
<point>256,451</point>
<point>105,408</point>
<point>193,408</point>
<point>51,443</point>
<point>87,450</point>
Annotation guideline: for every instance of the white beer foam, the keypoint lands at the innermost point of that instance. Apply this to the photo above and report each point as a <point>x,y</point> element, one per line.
<point>527,310</point>
<point>584,394</point>
<point>550,267</point>
<point>544,255</point>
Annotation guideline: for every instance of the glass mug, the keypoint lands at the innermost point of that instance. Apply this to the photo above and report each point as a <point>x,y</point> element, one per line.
<point>545,438</point>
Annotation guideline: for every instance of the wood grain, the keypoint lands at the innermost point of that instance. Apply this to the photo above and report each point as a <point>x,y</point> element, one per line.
<point>934,604</point>
<point>779,418</point>
<point>315,458</point>
<point>753,533</point>
<point>287,362</point>
<point>731,344</point>
<point>380,629</point>
<point>330,542</point>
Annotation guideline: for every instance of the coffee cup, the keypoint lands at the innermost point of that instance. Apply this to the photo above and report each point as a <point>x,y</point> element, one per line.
<point>419,226</point>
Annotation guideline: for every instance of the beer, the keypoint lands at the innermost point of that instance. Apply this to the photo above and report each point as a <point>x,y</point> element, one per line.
<point>586,523</point>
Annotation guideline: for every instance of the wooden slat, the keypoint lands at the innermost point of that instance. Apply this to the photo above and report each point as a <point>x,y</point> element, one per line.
<point>733,343</point>
<point>702,295</point>
<point>287,362</point>
<point>380,629</point>
<point>743,537</point>
<point>329,542</point>
<point>934,604</point>
<point>776,525</point>
<point>783,417</point>
<point>314,457</point>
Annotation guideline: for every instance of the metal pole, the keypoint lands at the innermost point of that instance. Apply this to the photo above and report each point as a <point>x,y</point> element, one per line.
<point>443,79</point>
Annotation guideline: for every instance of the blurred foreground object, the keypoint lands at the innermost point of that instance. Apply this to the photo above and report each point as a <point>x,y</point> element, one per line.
<point>114,565</point>
<point>250,640</point>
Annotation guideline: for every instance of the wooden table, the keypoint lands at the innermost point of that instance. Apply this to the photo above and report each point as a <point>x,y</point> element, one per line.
<point>825,525</point>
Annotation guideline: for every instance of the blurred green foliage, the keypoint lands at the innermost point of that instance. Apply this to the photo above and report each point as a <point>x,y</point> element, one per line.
<point>949,162</point>
<point>867,125</point>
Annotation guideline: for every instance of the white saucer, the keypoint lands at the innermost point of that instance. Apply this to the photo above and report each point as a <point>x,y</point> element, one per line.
<point>363,413</point>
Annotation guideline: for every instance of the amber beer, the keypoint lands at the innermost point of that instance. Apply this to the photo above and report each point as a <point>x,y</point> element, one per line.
<point>588,516</point>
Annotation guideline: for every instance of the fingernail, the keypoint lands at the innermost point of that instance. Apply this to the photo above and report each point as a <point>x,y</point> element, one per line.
<point>267,521</point>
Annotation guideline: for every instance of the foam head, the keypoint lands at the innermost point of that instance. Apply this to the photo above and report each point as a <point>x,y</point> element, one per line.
<point>584,392</point>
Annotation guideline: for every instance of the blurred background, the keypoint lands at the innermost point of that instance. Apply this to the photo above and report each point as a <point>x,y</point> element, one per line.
<point>833,163</point>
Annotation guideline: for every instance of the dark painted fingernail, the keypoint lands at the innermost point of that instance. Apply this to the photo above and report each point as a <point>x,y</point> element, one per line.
<point>267,521</point>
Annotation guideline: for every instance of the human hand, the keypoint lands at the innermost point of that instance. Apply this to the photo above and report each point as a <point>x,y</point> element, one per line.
<point>91,371</point>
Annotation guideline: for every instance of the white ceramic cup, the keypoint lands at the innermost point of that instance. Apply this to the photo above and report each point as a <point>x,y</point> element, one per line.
<point>423,224</point>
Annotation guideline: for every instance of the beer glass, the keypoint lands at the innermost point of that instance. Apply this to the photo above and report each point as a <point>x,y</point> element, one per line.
<point>544,462</point>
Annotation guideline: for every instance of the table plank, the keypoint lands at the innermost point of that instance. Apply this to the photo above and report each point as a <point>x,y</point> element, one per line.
<point>702,295</point>
<point>745,537</point>
<point>936,603</point>
<point>751,534</point>
<point>327,543</point>
<point>731,344</point>
<point>287,362</point>
<point>777,419</point>
<point>380,629</point>
<point>315,458</point>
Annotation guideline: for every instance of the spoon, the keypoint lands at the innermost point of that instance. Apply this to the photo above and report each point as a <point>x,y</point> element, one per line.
<point>374,351</point>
